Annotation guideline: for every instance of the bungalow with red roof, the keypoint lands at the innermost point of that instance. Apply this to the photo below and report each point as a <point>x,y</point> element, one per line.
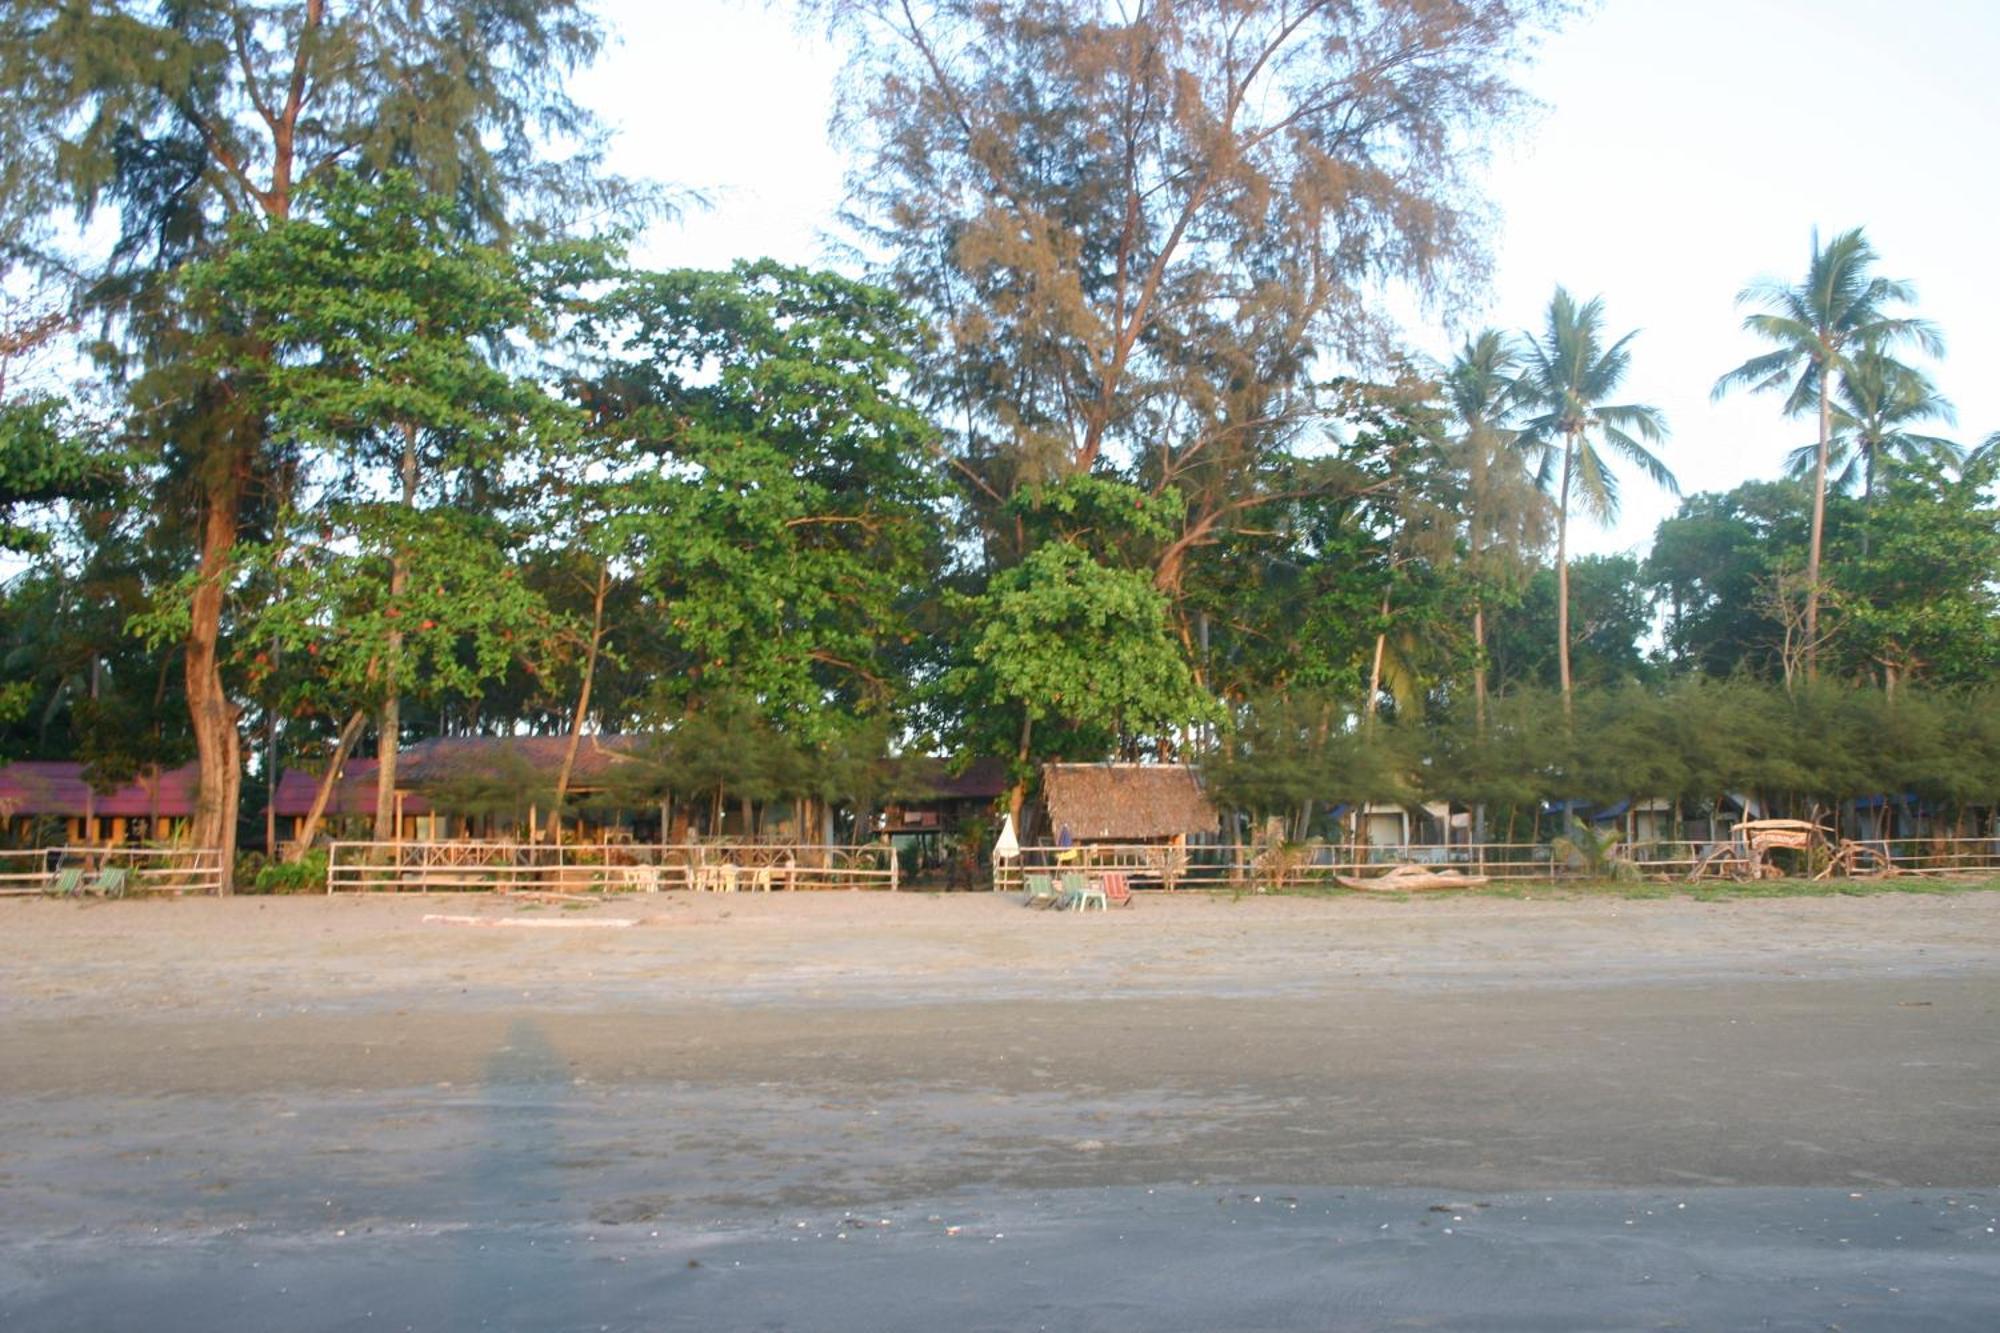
<point>47,802</point>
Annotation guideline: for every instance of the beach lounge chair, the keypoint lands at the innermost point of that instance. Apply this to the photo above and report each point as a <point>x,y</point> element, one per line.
<point>111,881</point>
<point>1041,889</point>
<point>1076,891</point>
<point>1117,891</point>
<point>68,882</point>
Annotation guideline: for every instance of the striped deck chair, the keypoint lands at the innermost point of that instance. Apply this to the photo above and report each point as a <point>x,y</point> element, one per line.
<point>1041,889</point>
<point>1117,890</point>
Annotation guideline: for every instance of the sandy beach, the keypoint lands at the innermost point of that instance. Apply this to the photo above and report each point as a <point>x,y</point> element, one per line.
<point>196,1090</point>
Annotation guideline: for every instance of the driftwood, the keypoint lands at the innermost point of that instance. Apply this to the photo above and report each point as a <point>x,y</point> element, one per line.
<point>1748,853</point>
<point>1403,878</point>
<point>550,923</point>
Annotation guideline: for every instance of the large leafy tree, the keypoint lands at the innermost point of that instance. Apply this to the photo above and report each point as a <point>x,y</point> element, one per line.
<point>1820,326</point>
<point>1918,585</point>
<point>1138,229</point>
<point>1713,565</point>
<point>1568,373</point>
<point>389,330</point>
<point>755,474</point>
<point>176,119</point>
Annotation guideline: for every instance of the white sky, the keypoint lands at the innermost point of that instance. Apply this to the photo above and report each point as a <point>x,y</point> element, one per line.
<point>1687,146</point>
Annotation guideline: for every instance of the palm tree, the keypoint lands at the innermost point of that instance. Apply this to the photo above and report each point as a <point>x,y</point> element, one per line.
<point>1569,373</point>
<point>1506,512</point>
<point>1821,327</point>
<point>1880,400</point>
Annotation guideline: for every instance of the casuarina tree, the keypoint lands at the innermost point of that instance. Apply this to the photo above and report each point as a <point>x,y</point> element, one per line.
<point>175,119</point>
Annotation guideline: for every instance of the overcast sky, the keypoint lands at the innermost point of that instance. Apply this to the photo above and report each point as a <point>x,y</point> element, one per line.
<point>1686,147</point>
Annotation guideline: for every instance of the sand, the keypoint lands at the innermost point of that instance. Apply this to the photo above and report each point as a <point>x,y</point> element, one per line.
<point>322,1113</point>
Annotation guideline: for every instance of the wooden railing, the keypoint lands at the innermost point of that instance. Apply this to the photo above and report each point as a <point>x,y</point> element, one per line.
<point>110,871</point>
<point>1240,867</point>
<point>467,866</point>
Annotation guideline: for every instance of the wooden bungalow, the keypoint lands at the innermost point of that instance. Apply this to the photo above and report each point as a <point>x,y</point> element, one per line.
<point>933,800</point>
<point>45,802</point>
<point>459,787</point>
<point>1125,803</point>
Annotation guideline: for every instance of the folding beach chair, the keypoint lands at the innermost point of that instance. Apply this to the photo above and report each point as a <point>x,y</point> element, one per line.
<point>1077,892</point>
<point>1041,889</point>
<point>1117,891</point>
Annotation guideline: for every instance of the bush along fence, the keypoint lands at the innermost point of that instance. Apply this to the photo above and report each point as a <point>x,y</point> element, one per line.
<point>442,867</point>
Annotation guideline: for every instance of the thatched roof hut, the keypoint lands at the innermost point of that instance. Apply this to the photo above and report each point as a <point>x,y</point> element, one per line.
<point>1126,802</point>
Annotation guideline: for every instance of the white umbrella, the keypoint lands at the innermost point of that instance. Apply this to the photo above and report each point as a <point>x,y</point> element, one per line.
<point>1008,847</point>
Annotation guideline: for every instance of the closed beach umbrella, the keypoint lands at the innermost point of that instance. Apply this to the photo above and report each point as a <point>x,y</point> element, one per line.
<point>1008,846</point>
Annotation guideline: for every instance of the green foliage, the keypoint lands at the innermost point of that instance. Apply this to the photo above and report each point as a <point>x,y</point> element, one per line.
<point>759,473</point>
<point>46,456</point>
<point>1069,640</point>
<point>1594,851</point>
<point>305,875</point>
<point>1611,613</point>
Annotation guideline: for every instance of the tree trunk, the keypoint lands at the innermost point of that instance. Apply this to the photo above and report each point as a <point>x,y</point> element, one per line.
<point>1017,795</point>
<point>218,744</point>
<point>1479,667</point>
<point>310,829</point>
<point>582,699</point>
<point>1562,577</point>
<point>1818,523</point>
<point>270,763</point>
<point>1375,669</point>
<point>389,735</point>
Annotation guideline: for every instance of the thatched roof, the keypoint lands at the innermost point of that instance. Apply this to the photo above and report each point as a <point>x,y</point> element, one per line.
<point>445,761</point>
<point>926,778</point>
<point>1126,802</point>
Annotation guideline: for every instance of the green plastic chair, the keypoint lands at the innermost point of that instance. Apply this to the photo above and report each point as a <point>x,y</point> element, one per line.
<point>1075,885</point>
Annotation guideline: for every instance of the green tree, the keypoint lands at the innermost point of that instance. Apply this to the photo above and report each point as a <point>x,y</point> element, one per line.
<point>757,479</point>
<point>1838,312</point>
<point>1065,640</point>
<point>1568,374</point>
<point>183,117</point>
<point>1917,585</point>
<point>1713,564</point>
<point>1610,615</point>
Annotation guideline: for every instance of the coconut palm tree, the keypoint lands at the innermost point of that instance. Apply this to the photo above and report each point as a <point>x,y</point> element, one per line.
<point>1568,373</point>
<point>1880,400</point>
<point>1820,327</point>
<point>1506,510</point>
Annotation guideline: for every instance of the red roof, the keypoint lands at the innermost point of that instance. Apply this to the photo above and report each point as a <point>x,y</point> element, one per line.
<point>57,787</point>
<point>353,792</point>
